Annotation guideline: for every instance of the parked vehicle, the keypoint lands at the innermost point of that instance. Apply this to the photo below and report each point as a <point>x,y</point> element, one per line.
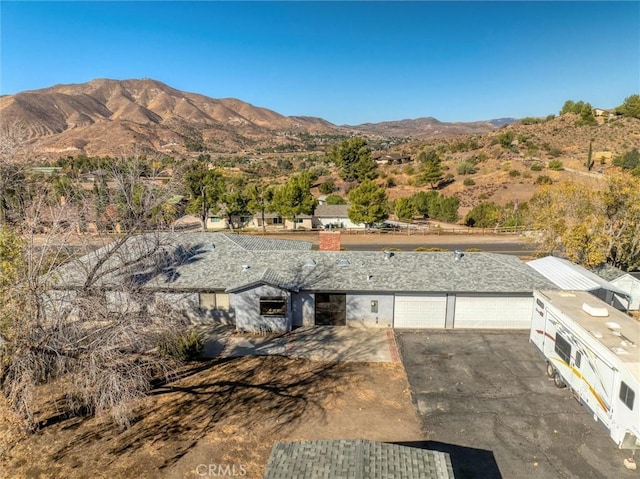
<point>594,350</point>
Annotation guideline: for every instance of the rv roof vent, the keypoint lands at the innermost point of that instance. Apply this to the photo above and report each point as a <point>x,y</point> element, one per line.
<point>597,334</point>
<point>566,294</point>
<point>344,262</point>
<point>310,262</point>
<point>388,254</point>
<point>458,254</point>
<point>619,350</point>
<point>595,311</point>
<point>245,267</point>
<point>612,325</point>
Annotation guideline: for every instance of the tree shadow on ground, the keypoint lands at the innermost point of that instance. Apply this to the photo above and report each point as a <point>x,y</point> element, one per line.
<point>272,392</point>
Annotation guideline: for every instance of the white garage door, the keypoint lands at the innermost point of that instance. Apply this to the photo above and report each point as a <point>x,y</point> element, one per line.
<point>419,311</point>
<point>496,312</point>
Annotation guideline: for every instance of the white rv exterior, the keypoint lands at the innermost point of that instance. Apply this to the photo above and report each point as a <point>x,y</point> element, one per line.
<point>593,349</point>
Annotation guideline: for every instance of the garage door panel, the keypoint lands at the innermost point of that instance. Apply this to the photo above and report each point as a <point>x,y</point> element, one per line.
<point>492,312</point>
<point>419,312</point>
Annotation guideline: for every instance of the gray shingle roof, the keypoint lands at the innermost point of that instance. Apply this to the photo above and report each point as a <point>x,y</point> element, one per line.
<point>351,459</point>
<point>331,211</point>
<point>608,272</point>
<point>205,261</point>
<point>257,243</point>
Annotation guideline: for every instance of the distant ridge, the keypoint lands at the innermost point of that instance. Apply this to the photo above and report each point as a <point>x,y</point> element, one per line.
<point>109,117</point>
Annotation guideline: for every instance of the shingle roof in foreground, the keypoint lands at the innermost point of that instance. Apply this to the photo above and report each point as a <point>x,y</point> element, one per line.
<point>355,459</point>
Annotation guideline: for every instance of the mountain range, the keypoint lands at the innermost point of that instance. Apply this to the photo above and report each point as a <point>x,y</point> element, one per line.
<point>114,117</point>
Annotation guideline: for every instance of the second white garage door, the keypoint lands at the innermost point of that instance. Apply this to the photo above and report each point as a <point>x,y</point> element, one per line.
<point>496,312</point>
<point>419,311</point>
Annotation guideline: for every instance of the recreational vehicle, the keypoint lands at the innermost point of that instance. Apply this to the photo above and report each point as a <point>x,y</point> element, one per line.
<point>593,349</point>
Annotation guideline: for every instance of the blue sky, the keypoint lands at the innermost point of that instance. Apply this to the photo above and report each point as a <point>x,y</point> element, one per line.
<point>349,63</point>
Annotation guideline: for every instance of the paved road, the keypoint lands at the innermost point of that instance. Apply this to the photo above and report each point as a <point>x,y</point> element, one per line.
<point>514,248</point>
<point>484,397</point>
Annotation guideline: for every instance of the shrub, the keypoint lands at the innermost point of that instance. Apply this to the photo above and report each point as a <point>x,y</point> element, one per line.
<point>390,182</point>
<point>468,182</point>
<point>466,168</point>
<point>543,180</point>
<point>556,165</point>
<point>334,199</point>
<point>430,250</point>
<point>514,173</point>
<point>327,187</point>
<point>536,167</point>
<point>483,196</point>
<point>506,166</point>
<point>183,346</point>
<point>409,170</point>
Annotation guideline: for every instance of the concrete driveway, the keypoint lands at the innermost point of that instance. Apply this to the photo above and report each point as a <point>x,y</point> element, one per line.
<point>329,343</point>
<point>484,397</point>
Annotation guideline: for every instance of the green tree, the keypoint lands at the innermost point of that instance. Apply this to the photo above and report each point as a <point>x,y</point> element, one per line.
<point>260,196</point>
<point>431,172</point>
<point>327,187</point>
<point>353,157</point>
<point>205,188</point>
<point>234,200</point>
<point>630,107</point>
<point>293,198</point>
<point>484,215</point>
<point>368,203</point>
<point>403,209</point>
<point>335,200</point>
<point>628,161</point>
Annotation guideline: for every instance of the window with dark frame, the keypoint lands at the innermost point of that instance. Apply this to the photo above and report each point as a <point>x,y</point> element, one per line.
<point>273,306</point>
<point>578,358</point>
<point>627,395</point>
<point>563,348</point>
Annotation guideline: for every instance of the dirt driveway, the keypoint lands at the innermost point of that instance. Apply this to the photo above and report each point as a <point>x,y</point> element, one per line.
<point>227,413</point>
<point>484,397</point>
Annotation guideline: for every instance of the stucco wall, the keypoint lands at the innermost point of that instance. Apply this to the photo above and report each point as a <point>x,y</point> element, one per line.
<point>359,310</point>
<point>304,305</point>
<point>246,305</point>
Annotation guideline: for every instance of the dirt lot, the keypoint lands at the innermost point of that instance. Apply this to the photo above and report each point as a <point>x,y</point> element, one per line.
<point>225,413</point>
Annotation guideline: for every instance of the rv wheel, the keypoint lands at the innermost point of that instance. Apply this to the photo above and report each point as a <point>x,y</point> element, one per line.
<point>557,380</point>
<point>550,370</point>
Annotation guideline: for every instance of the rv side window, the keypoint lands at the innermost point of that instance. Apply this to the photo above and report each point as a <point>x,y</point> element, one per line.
<point>563,348</point>
<point>578,358</point>
<point>540,303</point>
<point>627,395</point>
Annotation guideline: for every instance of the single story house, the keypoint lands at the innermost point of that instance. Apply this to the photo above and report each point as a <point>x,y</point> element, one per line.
<point>219,222</point>
<point>572,277</point>
<point>334,216</point>
<point>627,282</point>
<point>265,284</point>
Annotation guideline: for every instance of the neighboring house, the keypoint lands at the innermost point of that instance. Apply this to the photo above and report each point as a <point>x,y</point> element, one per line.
<point>572,277</point>
<point>276,285</point>
<point>273,220</point>
<point>355,458</point>
<point>334,216</point>
<point>627,282</point>
<point>390,158</point>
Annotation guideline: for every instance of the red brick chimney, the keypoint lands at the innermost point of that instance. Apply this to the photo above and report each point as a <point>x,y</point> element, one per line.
<point>329,241</point>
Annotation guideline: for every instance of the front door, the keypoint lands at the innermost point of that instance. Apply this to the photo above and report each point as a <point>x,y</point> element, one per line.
<point>331,309</point>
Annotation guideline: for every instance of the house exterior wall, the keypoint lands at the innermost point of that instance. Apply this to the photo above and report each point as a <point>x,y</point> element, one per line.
<point>217,223</point>
<point>359,310</point>
<point>306,223</point>
<point>321,222</point>
<point>304,309</point>
<point>246,305</point>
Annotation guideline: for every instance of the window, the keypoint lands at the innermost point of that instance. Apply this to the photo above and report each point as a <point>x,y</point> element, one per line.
<point>277,221</point>
<point>578,359</point>
<point>563,348</point>
<point>540,303</point>
<point>215,301</point>
<point>374,305</point>
<point>299,220</point>
<point>273,306</point>
<point>214,219</point>
<point>627,395</point>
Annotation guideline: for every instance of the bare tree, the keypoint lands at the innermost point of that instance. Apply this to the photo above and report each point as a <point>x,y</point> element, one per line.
<point>83,319</point>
